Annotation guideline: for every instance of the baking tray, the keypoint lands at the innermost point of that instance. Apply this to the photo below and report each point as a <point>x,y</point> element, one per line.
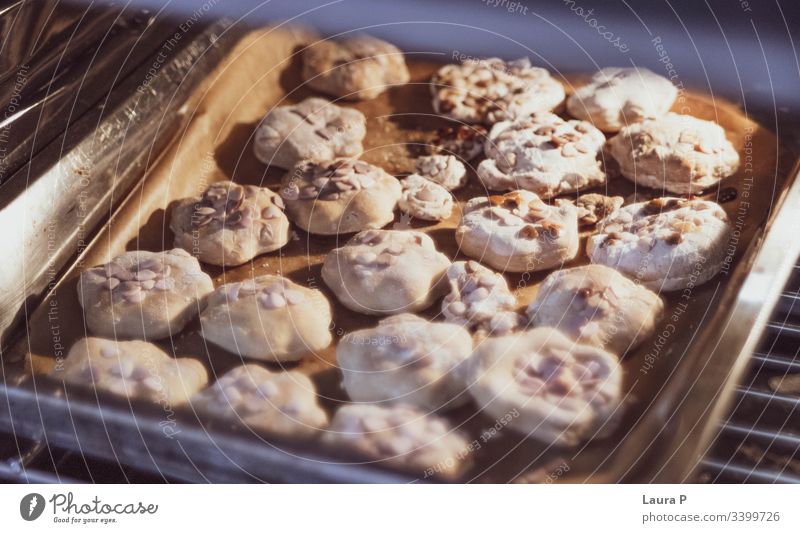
<point>671,409</point>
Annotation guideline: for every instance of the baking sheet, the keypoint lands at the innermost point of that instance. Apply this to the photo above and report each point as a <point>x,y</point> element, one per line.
<point>263,71</point>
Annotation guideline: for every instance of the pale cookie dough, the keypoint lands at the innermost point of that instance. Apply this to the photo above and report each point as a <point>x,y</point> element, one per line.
<point>667,244</point>
<point>490,90</point>
<point>402,436</point>
<point>592,208</point>
<point>143,295</point>
<point>230,224</point>
<point>543,154</point>
<point>597,305</point>
<point>425,199</point>
<point>357,68</point>
<point>133,369</point>
<point>517,232</point>
<point>269,318</point>
<point>480,300</point>
<point>340,196</point>
<point>618,97</point>
<point>446,170</point>
<point>556,391</point>
<point>405,359</point>
<point>284,403</point>
<point>464,141</point>
<point>678,153</point>
<point>384,272</point>
<point>313,129</point>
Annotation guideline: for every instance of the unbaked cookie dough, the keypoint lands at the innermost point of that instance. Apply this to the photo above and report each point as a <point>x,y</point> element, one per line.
<point>424,199</point>
<point>143,295</point>
<point>383,272</point>
<point>269,318</point>
<point>230,224</point>
<point>667,244</point>
<point>314,129</point>
<point>340,196</point>
<point>405,359</point>
<point>517,232</point>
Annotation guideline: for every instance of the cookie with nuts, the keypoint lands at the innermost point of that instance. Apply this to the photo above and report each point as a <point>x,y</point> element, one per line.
<point>667,244</point>
<point>491,90</point>
<point>269,318</point>
<point>356,68</point>
<point>143,295</point>
<point>282,403</point>
<point>563,392</point>
<point>677,153</point>
<point>617,97</point>
<point>424,199</point>
<point>313,129</point>
<point>445,170</point>
<point>405,359</point>
<point>543,153</point>
<point>132,369</point>
<point>402,436</point>
<point>464,141</point>
<point>230,224</point>
<point>596,305</point>
<point>593,207</point>
<point>480,300</point>
<point>385,272</point>
<point>339,196</point>
<point>518,232</point>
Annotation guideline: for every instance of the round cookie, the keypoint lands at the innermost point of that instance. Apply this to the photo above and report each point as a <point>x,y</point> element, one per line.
<point>517,232</point>
<point>339,196</point>
<point>543,154</point>
<point>445,170</point>
<point>677,153</point>
<point>596,305</point>
<point>490,90</point>
<point>313,129</point>
<point>561,392</point>
<point>383,272</point>
<point>357,68</point>
<point>666,244</point>
<point>464,141</point>
<point>143,295</point>
<point>425,199</point>
<point>230,224</point>
<point>617,97</point>
<point>283,403</point>
<point>479,299</point>
<point>402,436</point>
<point>269,318</point>
<point>132,369</point>
<point>405,359</point>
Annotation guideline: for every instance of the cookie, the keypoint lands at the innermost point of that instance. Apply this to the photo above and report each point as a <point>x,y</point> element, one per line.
<point>269,318</point>
<point>592,208</point>
<point>464,141</point>
<point>143,295</point>
<point>555,390</point>
<point>517,232</point>
<point>384,272</point>
<point>339,196</point>
<point>677,153</point>
<point>479,299</point>
<point>424,199</point>
<point>543,154</point>
<point>357,68</point>
<point>490,90</point>
<point>666,244</point>
<point>132,369</point>
<point>230,224</point>
<point>617,97</point>
<point>445,170</point>
<point>283,403</point>
<point>314,129</point>
<point>405,359</point>
<point>400,435</point>
<point>596,305</point>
